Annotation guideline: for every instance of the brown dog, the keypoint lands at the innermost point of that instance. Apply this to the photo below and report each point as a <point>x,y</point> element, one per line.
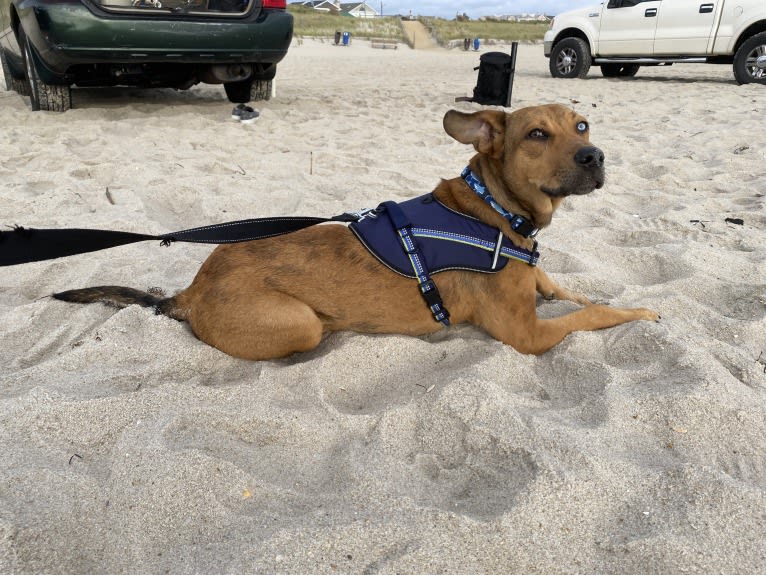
<point>273,297</point>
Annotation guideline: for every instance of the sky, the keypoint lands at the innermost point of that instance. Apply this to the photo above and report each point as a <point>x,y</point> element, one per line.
<point>476,8</point>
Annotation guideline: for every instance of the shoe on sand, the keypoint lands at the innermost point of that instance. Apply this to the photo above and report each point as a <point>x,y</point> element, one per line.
<point>239,109</point>
<point>249,116</point>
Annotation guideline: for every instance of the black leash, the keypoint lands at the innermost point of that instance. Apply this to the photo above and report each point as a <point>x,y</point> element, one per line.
<point>24,245</point>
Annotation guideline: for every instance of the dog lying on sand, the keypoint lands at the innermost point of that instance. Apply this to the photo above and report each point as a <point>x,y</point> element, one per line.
<point>274,297</point>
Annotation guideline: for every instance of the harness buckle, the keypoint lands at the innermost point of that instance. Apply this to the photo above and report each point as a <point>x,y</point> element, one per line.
<point>523,227</point>
<point>433,298</point>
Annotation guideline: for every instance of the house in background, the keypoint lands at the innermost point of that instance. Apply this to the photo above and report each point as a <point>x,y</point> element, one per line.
<point>355,9</point>
<point>518,18</point>
<point>359,9</point>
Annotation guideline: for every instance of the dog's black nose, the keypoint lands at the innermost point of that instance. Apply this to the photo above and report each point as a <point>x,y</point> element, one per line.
<point>589,157</point>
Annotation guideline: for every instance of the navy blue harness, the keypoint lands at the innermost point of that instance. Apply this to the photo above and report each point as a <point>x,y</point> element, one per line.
<point>422,236</point>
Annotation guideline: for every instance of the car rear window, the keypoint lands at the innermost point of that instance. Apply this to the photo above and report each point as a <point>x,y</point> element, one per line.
<point>229,7</point>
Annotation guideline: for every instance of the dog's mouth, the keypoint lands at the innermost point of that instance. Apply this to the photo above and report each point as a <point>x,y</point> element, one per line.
<point>580,186</point>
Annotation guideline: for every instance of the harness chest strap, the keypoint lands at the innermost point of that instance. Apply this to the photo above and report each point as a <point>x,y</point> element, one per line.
<point>428,288</point>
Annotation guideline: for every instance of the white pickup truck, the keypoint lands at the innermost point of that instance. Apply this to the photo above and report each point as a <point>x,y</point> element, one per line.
<point>622,35</point>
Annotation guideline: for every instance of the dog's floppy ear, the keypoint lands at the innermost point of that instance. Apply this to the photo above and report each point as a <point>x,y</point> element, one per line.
<point>485,130</point>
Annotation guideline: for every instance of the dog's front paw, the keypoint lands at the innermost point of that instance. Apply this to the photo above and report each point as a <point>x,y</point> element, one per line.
<point>520,241</point>
<point>565,294</point>
<point>648,315</point>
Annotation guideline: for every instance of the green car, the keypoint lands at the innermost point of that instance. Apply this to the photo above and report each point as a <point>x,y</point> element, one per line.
<point>48,46</point>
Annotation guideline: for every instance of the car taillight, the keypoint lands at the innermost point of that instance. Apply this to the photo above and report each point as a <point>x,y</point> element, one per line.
<point>275,4</point>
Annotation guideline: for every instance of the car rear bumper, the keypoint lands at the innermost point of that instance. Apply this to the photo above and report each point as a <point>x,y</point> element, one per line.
<point>78,32</point>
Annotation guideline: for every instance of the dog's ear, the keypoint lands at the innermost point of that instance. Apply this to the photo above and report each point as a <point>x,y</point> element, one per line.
<point>485,130</point>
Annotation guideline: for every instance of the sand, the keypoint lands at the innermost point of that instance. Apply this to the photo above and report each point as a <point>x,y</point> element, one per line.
<point>128,446</point>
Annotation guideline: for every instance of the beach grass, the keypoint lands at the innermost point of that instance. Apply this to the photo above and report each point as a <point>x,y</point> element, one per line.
<point>315,24</point>
<point>445,31</point>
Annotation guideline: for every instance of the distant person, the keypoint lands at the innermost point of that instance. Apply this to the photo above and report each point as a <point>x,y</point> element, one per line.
<point>466,44</point>
<point>475,43</point>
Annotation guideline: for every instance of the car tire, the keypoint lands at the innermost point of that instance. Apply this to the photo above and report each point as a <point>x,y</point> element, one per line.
<point>750,61</point>
<point>570,58</point>
<point>238,92</point>
<point>619,70</point>
<point>249,91</point>
<point>42,96</point>
<point>261,90</point>
<point>18,85</point>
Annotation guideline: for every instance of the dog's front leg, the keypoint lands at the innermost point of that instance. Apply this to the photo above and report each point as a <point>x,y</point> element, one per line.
<point>513,319</point>
<point>549,332</point>
<point>532,335</point>
<point>547,288</point>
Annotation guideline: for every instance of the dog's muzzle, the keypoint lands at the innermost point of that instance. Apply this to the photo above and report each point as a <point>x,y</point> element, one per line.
<point>590,157</point>
<point>586,176</point>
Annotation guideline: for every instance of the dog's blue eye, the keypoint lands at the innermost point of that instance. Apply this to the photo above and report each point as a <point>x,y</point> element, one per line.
<point>582,127</point>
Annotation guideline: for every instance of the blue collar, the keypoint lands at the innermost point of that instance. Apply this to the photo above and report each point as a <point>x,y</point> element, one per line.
<point>519,224</point>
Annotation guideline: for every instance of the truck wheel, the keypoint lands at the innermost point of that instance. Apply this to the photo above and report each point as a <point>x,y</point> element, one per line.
<point>570,58</point>
<point>619,70</point>
<point>750,61</point>
<point>47,97</point>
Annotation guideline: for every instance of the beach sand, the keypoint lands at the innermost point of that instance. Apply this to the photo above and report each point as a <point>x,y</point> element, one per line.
<point>128,446</point>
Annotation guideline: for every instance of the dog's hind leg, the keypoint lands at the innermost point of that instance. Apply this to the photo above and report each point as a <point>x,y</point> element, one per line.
<point>269,325</point>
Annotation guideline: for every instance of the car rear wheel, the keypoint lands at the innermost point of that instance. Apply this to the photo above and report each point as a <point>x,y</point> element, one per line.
<point>570,58</point>
<point>238,92</point>
<point>261,90</point>
<point>249,91</point>
<point>750,61</point>
<point>619,70</point>
<point>47,97</point>
<point>18,85</point>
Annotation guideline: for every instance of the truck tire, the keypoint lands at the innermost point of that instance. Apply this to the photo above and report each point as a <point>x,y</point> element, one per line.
<point>619,70</point>
<point>750,61</point>
<point>42,96</point>
<point>570,58</point>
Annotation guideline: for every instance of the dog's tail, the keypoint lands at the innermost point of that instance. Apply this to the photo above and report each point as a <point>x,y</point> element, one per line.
<point>120,297</point>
